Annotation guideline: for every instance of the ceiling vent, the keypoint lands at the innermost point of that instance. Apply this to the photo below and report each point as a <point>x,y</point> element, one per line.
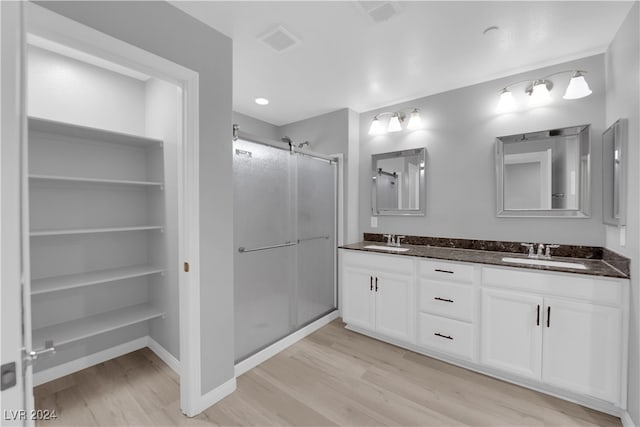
<point>380,11</point>
<point>279,39</point>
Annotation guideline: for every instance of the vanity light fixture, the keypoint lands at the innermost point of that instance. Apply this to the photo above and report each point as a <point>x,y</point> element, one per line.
<point>578,87</point>
<point>262,101</point>
<point>395,122</point>
<point>539,90</point>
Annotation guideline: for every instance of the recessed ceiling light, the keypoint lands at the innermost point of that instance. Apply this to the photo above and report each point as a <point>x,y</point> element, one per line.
<point>262,101</point>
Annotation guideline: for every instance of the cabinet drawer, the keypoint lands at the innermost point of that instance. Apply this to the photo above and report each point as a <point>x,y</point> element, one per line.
<point>446,335</point>
<point>443,270</point>
<point>446,299</point>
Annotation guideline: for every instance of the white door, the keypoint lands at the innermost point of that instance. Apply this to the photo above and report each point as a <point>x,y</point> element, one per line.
<point>511,332</point>
<point>394,304</point>
<point>581,348</point>
<point>19,396</point>
<point>358,297</point>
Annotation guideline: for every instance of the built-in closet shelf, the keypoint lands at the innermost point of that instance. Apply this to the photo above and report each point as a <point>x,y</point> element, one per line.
<point>78,180</point>
<point>75,330</point>
<point>89,133</point>
<point>61,283</point>
<point>67,232</point>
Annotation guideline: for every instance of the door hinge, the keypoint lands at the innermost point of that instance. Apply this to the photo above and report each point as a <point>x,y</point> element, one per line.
<point>28,357</point>
<point>186,267</point>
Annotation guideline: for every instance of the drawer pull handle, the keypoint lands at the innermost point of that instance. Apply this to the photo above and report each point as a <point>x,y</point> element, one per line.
<point>376,284</point>
<point>370,283</point>
<point>538,319</point>
<point>443,271</point>
<point>438,334</point>
<point>443,299</point>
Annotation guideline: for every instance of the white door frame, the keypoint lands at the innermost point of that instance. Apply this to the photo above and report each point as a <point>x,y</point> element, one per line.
<point>57,28</point>
<point>16,404</point>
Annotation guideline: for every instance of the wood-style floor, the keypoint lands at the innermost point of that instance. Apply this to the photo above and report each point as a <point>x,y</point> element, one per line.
<point>332,377</point>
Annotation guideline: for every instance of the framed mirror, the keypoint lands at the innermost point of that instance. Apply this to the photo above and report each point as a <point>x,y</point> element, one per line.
<point>614,174</point>
<point>398,183</point>
<point>544,174</point>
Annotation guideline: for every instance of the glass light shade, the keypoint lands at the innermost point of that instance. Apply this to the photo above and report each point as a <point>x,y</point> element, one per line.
<point>506,103</point>
<point>415,121</point>
<point>578,87</point>
<point>394,124</point>
<point>540,94</point>
<point>376,127</point>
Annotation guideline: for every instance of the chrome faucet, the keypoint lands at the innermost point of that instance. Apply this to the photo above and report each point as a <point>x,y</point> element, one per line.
<point>547,253</point>
<point>398,240</point>
<point>540,250</point>
<point>391,239</point>
<point>531,253</point>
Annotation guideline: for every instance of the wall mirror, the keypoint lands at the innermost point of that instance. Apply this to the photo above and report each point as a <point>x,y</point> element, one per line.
<point>614,174</point>
<point>398,183</point>
<point>544,174</point>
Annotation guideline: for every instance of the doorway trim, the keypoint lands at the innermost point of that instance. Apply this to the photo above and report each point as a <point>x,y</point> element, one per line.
<point>57,28</point>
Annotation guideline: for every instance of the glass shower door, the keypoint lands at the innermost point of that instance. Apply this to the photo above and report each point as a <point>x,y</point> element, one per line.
<point>264,230</point>
<point>316,203</point>
<point>285,243</point>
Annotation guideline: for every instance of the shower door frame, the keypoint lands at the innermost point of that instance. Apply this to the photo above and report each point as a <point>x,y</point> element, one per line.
<point>272,349</point>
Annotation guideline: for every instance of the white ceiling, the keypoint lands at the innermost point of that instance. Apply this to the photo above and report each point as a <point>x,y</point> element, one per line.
<point>345,59</point>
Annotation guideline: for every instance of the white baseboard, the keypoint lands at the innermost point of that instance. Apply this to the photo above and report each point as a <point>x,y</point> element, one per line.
<point>626,419</point>
<point>164,355</point>
<point>275,348</point>
<point>214,396</point>
<point>88,361</point>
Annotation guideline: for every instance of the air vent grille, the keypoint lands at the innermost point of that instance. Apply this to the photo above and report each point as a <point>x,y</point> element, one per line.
<point>380,11</point>
<point>279,39</point>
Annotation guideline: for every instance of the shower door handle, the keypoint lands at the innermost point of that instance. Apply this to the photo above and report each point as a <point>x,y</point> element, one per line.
<point>243,250</point>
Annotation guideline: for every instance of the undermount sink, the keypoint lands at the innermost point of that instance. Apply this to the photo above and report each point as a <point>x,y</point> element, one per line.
<point>545,262</point>
<point>386,248</point>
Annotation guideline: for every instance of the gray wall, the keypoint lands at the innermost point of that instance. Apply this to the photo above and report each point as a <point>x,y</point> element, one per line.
<point>186,45</point>
<point>460,130</point>
<point>256,127</point>
<point>623,94</point>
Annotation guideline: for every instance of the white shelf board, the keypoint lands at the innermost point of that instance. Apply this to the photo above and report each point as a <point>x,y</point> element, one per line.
<point>75,330</point>
<point>65,232</point>
<point>73,179</point>
<point>60,283</point>
<point>89,133</point>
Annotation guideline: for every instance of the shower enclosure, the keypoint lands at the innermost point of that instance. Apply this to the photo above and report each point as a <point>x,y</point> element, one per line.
<point>285,241</point>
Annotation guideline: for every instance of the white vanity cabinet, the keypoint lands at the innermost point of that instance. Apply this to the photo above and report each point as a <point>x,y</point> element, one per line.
<point>563,330</point>
<point>561,333</point>
<point>378,294</point>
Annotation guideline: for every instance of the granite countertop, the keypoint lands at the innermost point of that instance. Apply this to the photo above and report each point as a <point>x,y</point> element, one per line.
<point>595,267</point>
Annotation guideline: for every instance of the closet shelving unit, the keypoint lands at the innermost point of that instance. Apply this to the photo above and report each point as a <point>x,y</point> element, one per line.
<point>96,224</point>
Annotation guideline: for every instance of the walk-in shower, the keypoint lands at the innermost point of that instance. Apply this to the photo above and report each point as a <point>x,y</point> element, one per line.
<point>285,240</point>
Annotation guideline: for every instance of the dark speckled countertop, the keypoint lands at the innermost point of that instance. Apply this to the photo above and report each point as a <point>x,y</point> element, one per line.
<point>595,267</point>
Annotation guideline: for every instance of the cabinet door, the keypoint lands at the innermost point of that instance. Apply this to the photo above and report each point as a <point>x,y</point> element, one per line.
<point>511,332</point>
<point>359,297</point>
<point>581,348</point>
<point>395,302</point>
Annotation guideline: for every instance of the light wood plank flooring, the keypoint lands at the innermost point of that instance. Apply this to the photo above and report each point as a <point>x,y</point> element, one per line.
<point>332,377</point>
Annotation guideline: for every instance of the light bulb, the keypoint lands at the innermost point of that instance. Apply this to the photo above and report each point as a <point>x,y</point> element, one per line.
<point>540,94</point>
<point>376,127</point>
<point>394,124</point>
<point>578,87</point>
<point>262,101</point>
<point>415,121</point>
<point>506,103</point>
